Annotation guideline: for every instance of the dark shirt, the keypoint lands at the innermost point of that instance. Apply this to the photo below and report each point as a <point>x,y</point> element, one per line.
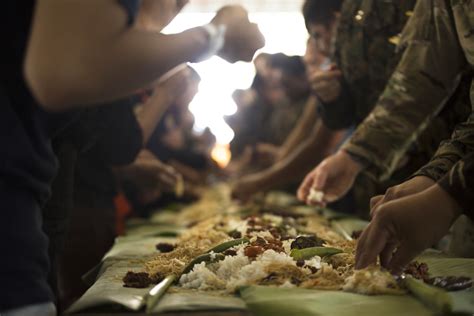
<point>116,140</point>
<point>27,167</point>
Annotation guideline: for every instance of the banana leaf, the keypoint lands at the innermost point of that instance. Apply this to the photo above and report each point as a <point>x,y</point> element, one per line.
<point>152,229</point>
<point>347,225</point>
<point>146,231</point>
<point>442,265</point>
<point>194,301</point>
<point>108,290</point>
<point>271,301</point>
<point>140,248</point>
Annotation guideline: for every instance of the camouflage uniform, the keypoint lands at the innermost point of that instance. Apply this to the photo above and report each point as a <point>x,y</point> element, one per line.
<point>439,42</point>
<point>423,100</point>
<point>365,52</point>
<point>453,164</point>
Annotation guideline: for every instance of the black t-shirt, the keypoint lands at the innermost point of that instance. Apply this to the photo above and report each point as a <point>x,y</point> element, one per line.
<point>27,166</point>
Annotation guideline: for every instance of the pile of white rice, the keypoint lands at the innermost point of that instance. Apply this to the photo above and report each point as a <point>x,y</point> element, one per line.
<point>236,271</point>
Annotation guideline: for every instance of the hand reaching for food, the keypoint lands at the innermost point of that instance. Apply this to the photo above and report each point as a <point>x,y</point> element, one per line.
<point>330,180</point>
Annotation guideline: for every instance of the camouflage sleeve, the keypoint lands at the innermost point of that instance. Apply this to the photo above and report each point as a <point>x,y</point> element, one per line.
<point>415,91</point>
<point>450,152</point>
<point>454,149</point>
<point>459,183</point>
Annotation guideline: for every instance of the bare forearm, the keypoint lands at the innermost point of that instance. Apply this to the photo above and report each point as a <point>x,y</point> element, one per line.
<point>91,56</point>
<point>319,145</point>
<point>301,131</point>
<point>151,113</point>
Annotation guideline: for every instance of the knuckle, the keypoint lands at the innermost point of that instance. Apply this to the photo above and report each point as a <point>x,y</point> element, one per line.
<point>374,200</point>
<point>391,193</point>
<point>381,215</point>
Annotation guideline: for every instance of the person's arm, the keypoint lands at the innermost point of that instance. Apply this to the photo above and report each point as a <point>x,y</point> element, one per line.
<point>319,144</point>
<point>450,151</point>
<point>80,54</point>
<point>163,96</point>
<point>415,92</point>
<point>459,183</point>
<point>300,132</point>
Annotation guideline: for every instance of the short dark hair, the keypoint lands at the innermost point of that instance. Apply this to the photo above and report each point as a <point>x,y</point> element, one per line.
<point>320,11</point>
<point>289,65</point>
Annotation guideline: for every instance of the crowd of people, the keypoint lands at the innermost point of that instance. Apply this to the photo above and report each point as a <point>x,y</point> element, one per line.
<point>94,125</point>
<point>386,133</point>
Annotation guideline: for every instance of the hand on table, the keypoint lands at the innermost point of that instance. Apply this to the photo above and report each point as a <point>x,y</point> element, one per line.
<point>402,228</point>
<point>334,176</point>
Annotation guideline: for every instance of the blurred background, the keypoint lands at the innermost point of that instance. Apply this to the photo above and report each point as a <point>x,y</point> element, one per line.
<point>281,23</point>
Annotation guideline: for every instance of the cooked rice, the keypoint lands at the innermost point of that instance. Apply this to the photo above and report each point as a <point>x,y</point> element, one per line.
<point>269,267</point>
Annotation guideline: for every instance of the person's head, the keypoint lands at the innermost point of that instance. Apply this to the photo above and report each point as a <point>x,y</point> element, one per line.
<point>321,18</point>
<point>154,15</point>
<point>267,80</point>
<point>293,79</point>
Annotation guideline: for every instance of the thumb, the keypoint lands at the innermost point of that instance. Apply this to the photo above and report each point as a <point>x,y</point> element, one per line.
<point>305,186</point>
<point>320,178</point>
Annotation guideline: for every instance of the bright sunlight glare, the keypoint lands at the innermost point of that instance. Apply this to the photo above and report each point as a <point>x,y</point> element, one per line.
<point>284,32</point>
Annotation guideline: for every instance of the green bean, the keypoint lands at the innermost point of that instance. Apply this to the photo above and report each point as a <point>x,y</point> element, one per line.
<point>228,244</point>
<point>431,296</point>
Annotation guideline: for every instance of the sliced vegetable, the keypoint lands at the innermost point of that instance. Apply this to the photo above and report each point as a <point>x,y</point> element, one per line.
<point>157,292</point>
<point>431,296</point>
<point>308,253</point>
<point>228,244</point>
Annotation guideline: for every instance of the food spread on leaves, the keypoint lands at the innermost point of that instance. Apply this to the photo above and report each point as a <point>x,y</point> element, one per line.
<point>269,246</point>
<point>226,252</point>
